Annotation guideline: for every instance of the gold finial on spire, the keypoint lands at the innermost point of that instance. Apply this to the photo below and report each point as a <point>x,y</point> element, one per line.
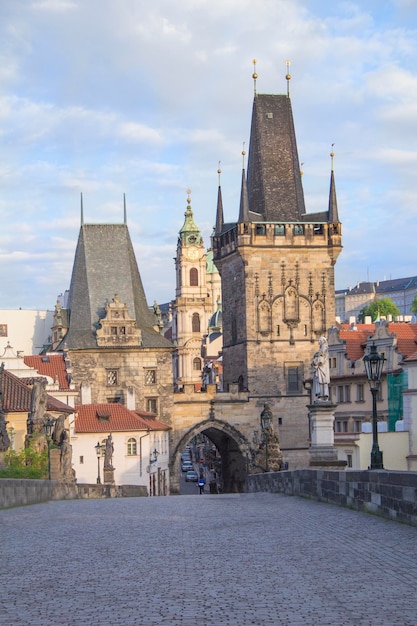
<point>332,157</point>
<point>188,191</point>
<point>219,172</point>
<point>288,77</point>
<point>301,168</point>
<point>254,76</point>
<point>243,155</point>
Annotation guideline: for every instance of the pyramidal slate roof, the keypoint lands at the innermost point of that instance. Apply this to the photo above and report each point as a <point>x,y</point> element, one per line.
<point>274,179</point>
<point>105,265</point>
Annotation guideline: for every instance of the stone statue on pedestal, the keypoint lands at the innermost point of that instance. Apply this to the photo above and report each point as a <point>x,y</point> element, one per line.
<point>321,372</point>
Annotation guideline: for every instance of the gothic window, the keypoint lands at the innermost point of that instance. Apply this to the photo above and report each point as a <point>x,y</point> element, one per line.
<point>298,229</point>
<point>150,377</point>
<point>279,230</point>
<point>193,277</point>
<point>294,377</point>
<point>152,405</point>
<point>132,449</point>
<point>3,330</point>
<point>112,377</point>
<point>195,322</point>
<point>260,229</point>
<point>197,364</point>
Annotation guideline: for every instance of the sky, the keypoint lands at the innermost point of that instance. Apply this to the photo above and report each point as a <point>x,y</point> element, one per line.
<point>141,98</point>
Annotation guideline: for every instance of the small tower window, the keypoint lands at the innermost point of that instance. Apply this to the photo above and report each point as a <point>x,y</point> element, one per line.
<point>193,277</point>
<point>196,364</point>
<point>195,323</point>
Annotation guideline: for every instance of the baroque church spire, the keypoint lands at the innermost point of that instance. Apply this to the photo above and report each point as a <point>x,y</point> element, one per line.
<point>190,233</point>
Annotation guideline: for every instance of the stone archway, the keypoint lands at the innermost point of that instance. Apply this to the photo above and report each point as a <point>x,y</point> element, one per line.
<point>232,447</point>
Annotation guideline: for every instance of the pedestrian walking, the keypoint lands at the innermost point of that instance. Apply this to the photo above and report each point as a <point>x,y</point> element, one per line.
<point>201,483</point>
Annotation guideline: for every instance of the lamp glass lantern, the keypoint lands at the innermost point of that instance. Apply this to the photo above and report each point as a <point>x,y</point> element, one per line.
<point>374,363</point>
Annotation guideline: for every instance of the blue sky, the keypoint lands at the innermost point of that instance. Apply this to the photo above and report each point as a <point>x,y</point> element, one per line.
<point>105,98</point>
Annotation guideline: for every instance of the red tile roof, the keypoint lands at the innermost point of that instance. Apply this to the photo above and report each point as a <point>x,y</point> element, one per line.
<point>17,396</point>
<point>97,418</point>
<point>52,365</point>
<point>356,337</point>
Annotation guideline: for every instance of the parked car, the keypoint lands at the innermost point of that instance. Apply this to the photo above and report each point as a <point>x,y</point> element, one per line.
<point>186,466</point>
<point>191,477</point>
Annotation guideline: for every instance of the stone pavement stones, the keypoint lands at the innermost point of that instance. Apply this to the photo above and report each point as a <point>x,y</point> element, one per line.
<point>218,560</point>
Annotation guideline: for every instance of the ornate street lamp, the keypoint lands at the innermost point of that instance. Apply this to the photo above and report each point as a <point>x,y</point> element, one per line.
<point>266,419</point>
<point>98,449</point>
<point>48,428</point>
<point>374,363</point>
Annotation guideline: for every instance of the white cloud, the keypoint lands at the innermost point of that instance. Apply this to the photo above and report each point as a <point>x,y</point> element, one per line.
<point>153,95</point>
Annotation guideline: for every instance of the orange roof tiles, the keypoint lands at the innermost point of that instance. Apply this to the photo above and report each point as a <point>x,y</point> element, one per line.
<point>52,365</point>
<point>114,417</point>
<point>17,396</point>
<point>356,337</point>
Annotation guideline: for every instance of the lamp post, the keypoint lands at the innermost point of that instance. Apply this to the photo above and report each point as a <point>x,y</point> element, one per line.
<point>266,418</point>
<point>374,362</point>
<point>98,449</point>
<point>48,428</point>
<point>153,460</point>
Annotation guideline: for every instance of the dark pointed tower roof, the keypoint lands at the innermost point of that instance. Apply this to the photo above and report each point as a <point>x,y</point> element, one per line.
<point>333,212</point>
<point>244,201</point>
<point>105,265</point>
<point>219,213</point>
<point>274,180</point>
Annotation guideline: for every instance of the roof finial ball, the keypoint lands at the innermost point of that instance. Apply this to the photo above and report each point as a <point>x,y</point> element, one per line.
<point>332,156</point>
<point>288,77</point>
<point>254,76</point>
<point>243,154</point>
<point>219,172</point>
<point>188,191</point>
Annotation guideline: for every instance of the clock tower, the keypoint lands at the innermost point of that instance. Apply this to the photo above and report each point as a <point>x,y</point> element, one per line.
<point>194,303</point>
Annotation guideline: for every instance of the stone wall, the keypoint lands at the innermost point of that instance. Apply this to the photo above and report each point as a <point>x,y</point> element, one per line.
<point>390,494</point>
<point>19,492</point>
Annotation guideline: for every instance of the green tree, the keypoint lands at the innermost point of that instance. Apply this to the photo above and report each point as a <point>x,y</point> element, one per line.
<point>414,306</point>
<point>28,463</point>
<point>379,308</point>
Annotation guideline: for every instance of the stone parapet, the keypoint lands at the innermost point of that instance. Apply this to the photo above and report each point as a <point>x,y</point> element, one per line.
<point>392,495</point>
<point>20,492</point>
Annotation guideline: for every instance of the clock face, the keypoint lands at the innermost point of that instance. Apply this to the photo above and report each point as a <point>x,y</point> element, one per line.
<point>192,253</point>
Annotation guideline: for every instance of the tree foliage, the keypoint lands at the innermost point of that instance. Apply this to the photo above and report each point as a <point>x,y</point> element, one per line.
<point>28,463</point>
<point>379,308</point>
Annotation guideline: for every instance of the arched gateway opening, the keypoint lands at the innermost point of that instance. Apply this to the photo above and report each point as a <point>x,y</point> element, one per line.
<point>230,465</point>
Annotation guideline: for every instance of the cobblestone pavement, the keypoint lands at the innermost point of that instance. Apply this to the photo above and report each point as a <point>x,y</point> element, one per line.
<point>212,560</point>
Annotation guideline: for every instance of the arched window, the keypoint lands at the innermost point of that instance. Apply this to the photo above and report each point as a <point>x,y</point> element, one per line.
<point>197,364</point>
<point>196,323</point>
<point>132,448</point>
<point>193,277</point>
